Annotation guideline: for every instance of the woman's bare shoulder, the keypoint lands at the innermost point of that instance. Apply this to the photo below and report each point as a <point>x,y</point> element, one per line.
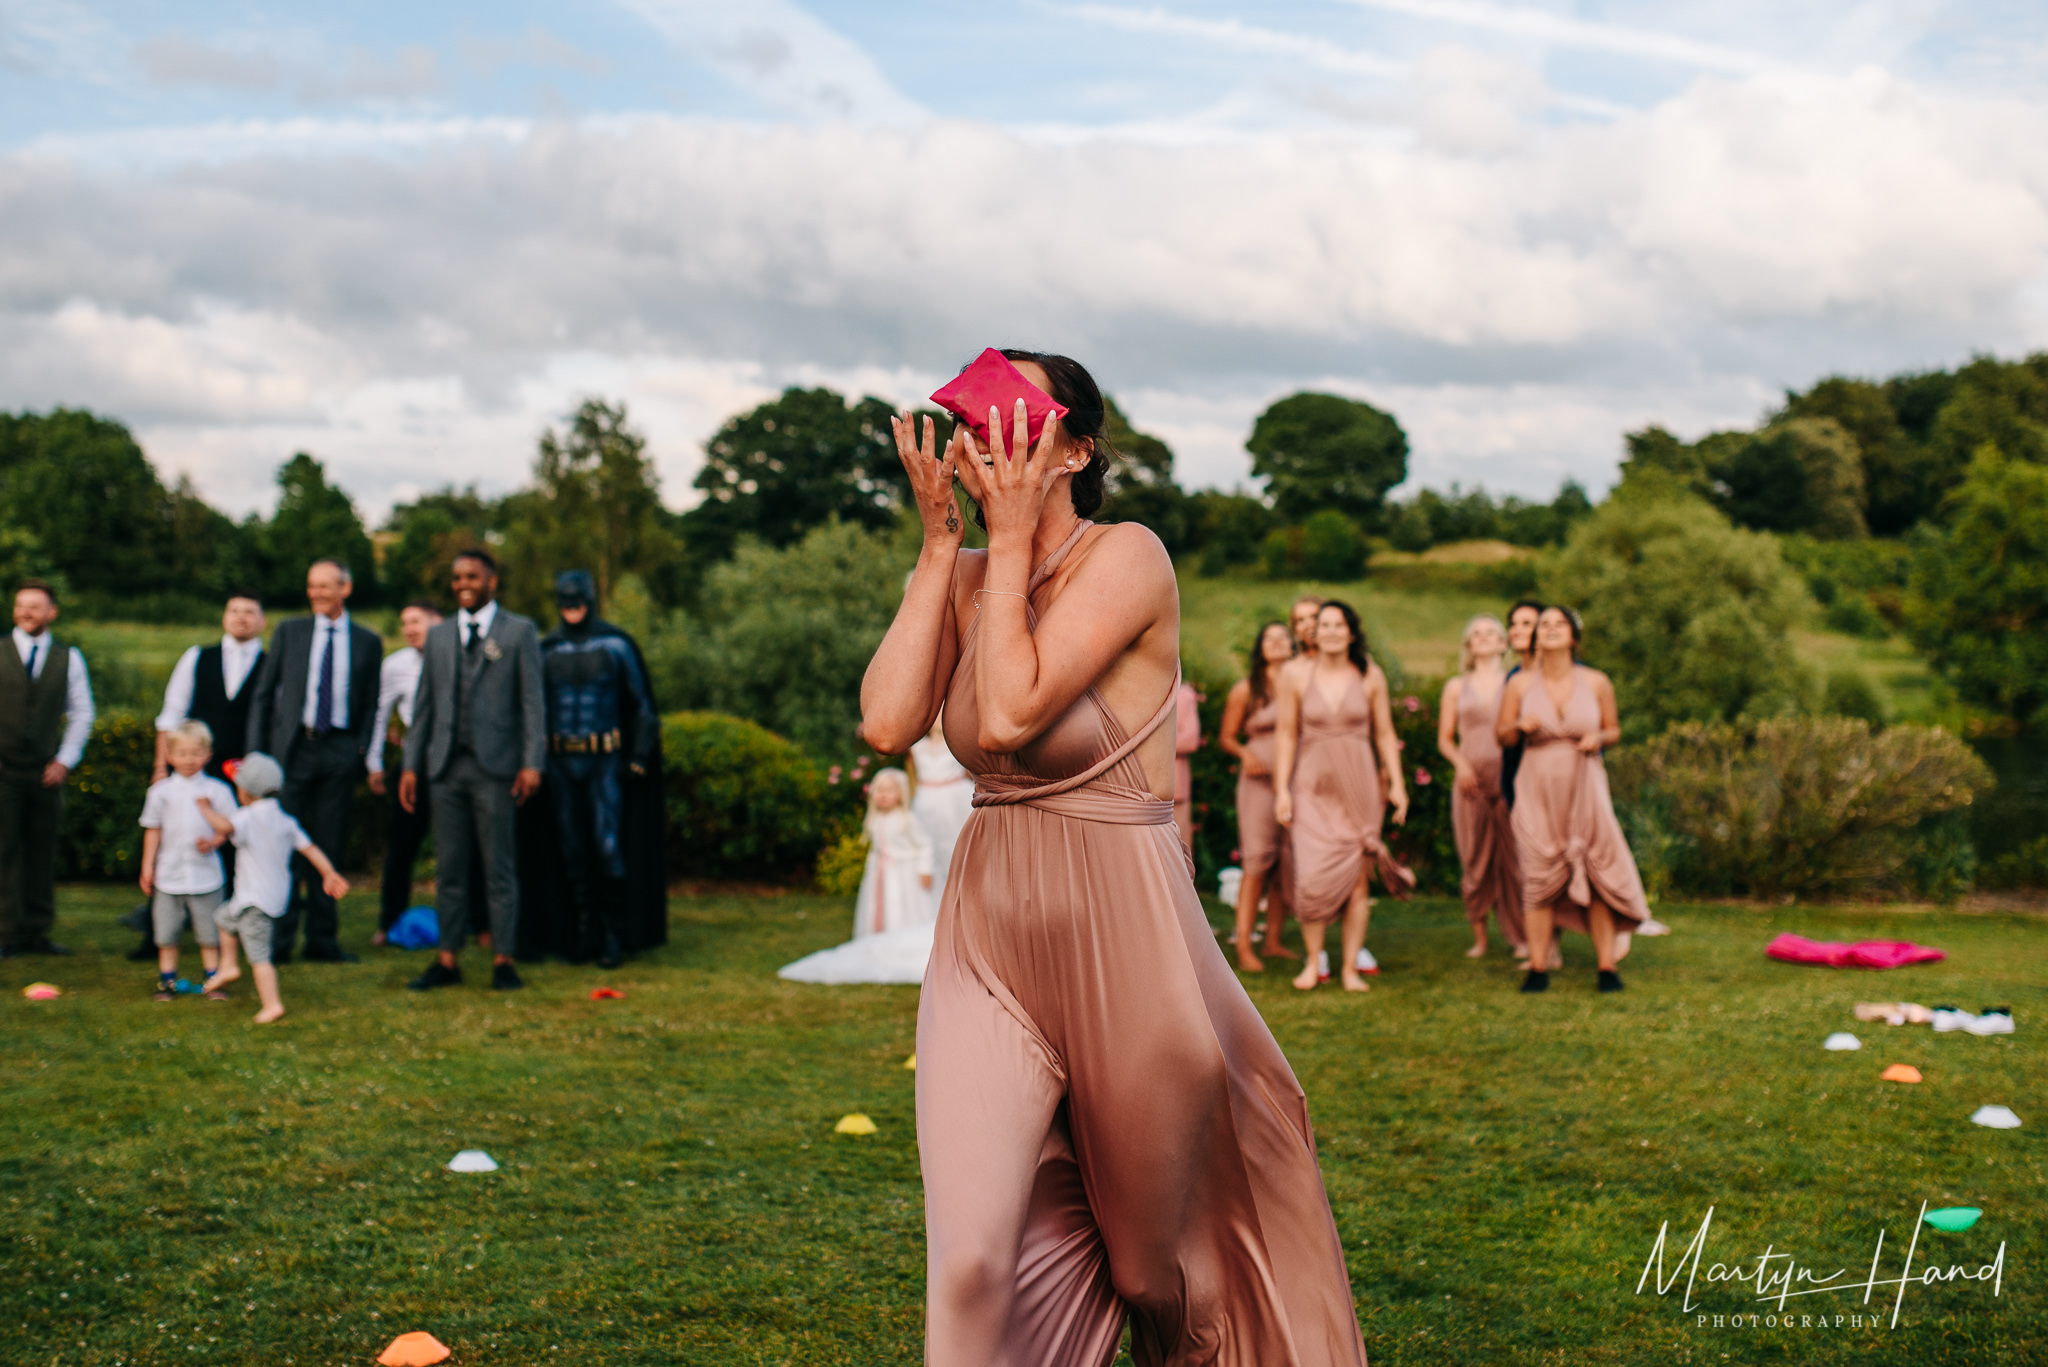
<point>1595,679</point>
<point>1129,545</point>
<point>1453,686</point>
<point>1240,692</point>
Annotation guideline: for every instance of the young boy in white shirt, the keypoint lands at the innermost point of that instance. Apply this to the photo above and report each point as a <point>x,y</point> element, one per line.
<point>181,873</point>
<point>265,837</point>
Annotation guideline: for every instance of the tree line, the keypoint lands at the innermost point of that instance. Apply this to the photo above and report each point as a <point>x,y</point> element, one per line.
<point>1916,503</point>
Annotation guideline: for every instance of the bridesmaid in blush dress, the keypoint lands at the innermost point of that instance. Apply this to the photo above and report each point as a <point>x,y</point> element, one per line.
<point>1329,792</point>
<point>1107,1130</point>
<point>1252,709</point>
<point>1466,720</point>
<point>1576,865</point>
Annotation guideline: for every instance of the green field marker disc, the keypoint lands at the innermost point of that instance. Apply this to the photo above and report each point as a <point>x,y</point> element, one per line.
<point>1954,1219</point>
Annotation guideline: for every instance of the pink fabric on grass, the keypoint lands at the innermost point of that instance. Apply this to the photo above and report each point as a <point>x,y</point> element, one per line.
<point>1797,949</point>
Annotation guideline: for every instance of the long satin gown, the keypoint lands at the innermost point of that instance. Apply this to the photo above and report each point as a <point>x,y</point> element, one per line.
<point>1261,839</point>
<point>1566,836</point>
<point>1339,806</point>
<point>1480,822</point>
<point>944,801</point>
<point>1106,1126</point>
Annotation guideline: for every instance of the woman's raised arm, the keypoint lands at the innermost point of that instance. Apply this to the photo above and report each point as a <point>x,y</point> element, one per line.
<point>906,682</point>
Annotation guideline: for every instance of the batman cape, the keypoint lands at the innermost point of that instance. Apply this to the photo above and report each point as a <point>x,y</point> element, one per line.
<point>638,909</point>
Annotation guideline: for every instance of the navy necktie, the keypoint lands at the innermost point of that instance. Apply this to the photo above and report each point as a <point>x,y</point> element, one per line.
<point>323,696</point>
<point>34,651</point>
<point>475,631</point>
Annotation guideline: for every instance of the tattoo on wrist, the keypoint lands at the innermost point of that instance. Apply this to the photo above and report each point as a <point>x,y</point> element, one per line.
<point>952,519</point>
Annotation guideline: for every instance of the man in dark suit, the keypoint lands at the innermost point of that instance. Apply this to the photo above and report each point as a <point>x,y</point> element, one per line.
<point>478,739</point>
<point>313,708</point>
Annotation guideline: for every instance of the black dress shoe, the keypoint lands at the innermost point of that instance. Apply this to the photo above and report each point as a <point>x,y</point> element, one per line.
<point>45,947</point>
<point>145,950</point>
<point>1536,981</point>
<point>505,978</point>
<point>336,955</point>
<point>1610,981</point>
<point>437,975</point>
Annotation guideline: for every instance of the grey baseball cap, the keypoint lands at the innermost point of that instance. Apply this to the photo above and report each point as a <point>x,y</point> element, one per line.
<point>259,775</point>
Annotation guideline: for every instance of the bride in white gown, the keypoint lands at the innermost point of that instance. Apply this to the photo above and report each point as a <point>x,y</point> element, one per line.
<point>897,907</point>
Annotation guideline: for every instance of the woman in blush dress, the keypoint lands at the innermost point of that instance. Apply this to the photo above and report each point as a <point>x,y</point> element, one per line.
<point>1466,722</point>
<point>1576,865</point>
<point>944,800</point>
<point>1329,792</point>
<point>1108,1131</point>
<point>1251,709</point>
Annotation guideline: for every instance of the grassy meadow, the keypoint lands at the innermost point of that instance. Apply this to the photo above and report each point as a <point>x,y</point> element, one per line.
<point>183,1187</point>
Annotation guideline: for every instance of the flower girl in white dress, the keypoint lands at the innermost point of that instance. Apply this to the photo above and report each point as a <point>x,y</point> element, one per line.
<point>895,912</point>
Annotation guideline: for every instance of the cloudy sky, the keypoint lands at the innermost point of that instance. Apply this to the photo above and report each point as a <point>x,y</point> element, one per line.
<point>406,237</point>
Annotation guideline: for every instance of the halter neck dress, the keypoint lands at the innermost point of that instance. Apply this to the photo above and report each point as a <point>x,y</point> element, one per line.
<point>1261,839</point>
<point>1486,843</point>
<point>1106,1127</point>
<point>1566,836</point>
<point>1339,806</point>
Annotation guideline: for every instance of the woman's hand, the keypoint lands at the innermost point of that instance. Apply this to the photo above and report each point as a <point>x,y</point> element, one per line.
<point>1252,767</point>
<point>1467,781</point>
<point>1590,743</point>
<point>1398,800</point>
<point>931,477</point>
<point>1283,807</point>
<point>1011,489</point>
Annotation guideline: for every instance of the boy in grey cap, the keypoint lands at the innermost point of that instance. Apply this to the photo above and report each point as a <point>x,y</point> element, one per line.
<point>265,837</point>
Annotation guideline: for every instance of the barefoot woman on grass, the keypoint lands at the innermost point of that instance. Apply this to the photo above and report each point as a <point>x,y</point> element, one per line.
<point>1329,792</point>
<point>1576,866</point>
<point>1253,709</point>
<point>1467,720</point>
<point>1106,1127</point>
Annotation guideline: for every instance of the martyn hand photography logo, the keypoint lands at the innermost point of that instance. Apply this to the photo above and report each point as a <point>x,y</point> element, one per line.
<point>1774,1280</point>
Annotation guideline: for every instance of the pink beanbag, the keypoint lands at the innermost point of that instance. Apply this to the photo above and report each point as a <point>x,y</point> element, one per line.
<point>1797,949</point>
<point>992,382</point>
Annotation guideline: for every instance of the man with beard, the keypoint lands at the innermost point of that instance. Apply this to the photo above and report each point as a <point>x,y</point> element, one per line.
<point>603,784</point>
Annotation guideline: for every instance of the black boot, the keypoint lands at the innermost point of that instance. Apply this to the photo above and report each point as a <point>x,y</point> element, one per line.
<point>586,937</point>
<point>609,902</point>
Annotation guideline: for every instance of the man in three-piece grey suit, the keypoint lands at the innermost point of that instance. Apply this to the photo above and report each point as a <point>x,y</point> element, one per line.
<point>479,737</point>
<point>312,707</point>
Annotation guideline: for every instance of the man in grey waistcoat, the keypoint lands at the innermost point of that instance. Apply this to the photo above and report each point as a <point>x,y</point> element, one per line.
<point>479,738</point>
<point>46,715</point>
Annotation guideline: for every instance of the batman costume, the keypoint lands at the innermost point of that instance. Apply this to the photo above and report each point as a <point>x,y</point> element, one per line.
<point>593,845</point>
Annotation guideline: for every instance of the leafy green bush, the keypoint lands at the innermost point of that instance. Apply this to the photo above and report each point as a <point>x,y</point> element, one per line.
<point>1850,694</point>
<point>1805,805</point>
<point>843,864</point>
<point>1853,615</point>
<point>99,840</point>
<point>744,802</point>
<point>1977,601</point>
<point>1691,617</point>
<point>787,633</point>
<point>1280,553</point>
<point>1332,547</point>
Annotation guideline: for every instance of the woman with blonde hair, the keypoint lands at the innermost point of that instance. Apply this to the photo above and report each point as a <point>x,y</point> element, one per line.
<point>1467,718</point>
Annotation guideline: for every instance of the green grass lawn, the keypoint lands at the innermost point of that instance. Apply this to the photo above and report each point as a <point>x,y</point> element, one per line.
<point>182,1187</point>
